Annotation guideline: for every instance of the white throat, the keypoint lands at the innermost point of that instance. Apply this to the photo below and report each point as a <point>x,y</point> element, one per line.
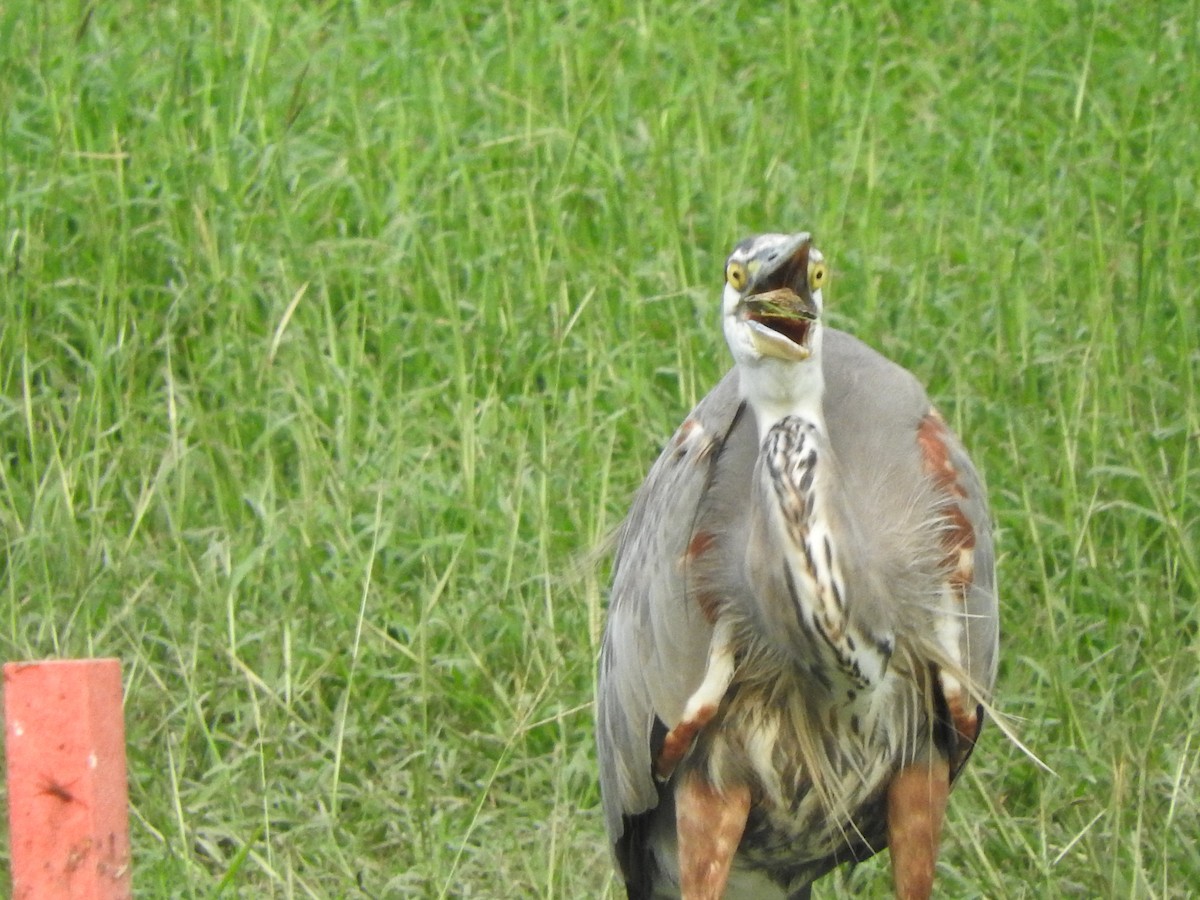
<point>776,389</point>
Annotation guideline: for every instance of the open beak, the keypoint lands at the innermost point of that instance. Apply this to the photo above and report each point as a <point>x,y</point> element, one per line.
<point>781,323</point>
<point>778,305</point>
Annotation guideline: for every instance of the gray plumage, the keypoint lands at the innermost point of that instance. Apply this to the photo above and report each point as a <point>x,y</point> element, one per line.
<point>819,551</point>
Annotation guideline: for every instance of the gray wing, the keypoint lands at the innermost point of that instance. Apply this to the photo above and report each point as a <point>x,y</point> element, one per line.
<point>887,436</point>
<point>656,640</point>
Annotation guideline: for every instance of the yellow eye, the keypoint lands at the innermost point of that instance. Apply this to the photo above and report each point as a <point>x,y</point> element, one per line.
<point>735,274</point>
<point>817,273</point>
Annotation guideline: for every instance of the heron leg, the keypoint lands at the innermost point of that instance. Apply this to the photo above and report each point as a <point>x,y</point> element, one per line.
<point>709,824</point>
<point>916,806</point>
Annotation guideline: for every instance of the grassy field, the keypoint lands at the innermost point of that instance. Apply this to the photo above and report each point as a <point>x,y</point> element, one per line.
<point>335,337</point>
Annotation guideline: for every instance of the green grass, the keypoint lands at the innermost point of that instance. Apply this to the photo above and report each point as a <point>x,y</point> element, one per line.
<point>335,337</point>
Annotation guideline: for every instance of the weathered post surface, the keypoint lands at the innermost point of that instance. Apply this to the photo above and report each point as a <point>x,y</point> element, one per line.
<point>68,806</point>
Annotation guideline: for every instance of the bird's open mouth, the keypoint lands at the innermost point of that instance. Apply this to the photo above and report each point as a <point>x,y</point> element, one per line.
<point>784,320</point>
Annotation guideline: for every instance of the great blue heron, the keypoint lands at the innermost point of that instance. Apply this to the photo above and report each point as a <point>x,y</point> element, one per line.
<point>803,623</point>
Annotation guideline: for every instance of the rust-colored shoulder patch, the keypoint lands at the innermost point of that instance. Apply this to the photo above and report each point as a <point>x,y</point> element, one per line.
<point>958,544</point>
<point>958,538</point>
<point>931,438</point>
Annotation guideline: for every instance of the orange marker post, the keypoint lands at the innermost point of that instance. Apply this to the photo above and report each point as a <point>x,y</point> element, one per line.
<point>68,806</point>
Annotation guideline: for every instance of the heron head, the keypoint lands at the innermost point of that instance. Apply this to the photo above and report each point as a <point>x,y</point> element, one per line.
<point>772,300</point>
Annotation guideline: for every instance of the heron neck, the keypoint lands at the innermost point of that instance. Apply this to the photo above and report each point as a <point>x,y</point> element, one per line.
<point>776,389</point>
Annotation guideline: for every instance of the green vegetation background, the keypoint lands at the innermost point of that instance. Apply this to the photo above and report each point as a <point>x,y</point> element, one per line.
<point>335,337</point>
